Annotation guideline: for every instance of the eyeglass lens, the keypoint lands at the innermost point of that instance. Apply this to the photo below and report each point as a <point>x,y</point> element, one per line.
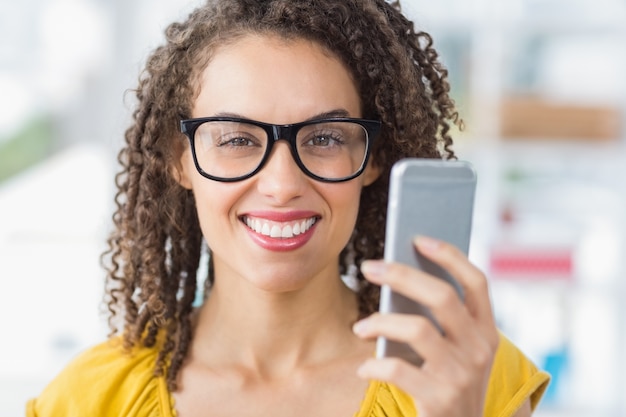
<point>228,149</point>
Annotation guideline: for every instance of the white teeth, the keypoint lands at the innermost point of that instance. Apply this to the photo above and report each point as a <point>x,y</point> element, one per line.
<point>275,230</point>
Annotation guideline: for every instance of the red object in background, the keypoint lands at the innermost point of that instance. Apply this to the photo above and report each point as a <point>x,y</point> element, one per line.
<point>525,263</point>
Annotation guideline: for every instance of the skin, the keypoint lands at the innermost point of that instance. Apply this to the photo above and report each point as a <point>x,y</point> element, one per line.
<point>276,331</point>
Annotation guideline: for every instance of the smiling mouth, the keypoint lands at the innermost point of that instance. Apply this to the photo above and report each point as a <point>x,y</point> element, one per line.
<point>281,230</point>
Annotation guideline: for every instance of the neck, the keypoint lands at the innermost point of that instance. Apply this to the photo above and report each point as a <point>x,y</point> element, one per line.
<point>274,332</point>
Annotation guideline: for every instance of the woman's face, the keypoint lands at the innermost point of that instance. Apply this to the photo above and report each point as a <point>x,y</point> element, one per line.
<point>275,81</point>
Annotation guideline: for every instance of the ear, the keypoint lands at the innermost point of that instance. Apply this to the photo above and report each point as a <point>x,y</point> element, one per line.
<point>180,169</point>
<point>371,173</point>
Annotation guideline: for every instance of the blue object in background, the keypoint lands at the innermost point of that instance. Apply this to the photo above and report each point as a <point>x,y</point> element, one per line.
<point>556,364</point>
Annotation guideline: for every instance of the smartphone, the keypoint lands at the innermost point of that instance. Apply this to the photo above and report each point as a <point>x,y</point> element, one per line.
<point>427,197</point>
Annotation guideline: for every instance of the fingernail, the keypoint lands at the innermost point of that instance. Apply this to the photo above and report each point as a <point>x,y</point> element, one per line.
<point>373,268</point>
<point>360,327</point>
<point>427,244</point>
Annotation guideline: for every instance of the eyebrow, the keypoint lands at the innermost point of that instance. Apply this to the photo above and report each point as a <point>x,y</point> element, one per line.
<point>323,115</point>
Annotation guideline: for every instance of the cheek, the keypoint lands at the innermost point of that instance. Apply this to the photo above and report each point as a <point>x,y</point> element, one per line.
<point>344,201</point>
<point>207,211</point>
<point>214,203</point>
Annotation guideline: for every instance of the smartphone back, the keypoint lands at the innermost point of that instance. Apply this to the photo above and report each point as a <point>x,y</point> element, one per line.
<point>427,197</point>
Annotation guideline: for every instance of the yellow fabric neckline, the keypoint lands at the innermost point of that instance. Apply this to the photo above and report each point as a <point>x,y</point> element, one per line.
<point>367,403</point>
<point>105,380</point>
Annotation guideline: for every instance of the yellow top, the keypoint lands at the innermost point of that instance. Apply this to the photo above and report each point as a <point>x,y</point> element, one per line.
<point>105,381</point>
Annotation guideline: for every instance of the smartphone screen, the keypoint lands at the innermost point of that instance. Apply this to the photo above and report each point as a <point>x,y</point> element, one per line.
<point>427,197</point>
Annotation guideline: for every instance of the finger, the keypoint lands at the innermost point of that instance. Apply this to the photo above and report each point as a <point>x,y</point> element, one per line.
<point>416,331</point>
<point>440,355</point>
<point>437,295</point>
<point>432,396</point>
<point>469,276</point>
<point>396,371</point>
<point>408,281</point>
<point>428,392</point>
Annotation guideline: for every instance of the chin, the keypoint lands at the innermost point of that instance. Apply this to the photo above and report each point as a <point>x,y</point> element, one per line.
<point>279,283</point>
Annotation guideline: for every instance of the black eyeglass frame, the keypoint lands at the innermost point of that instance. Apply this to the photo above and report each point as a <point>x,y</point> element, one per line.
<point>286,132</point>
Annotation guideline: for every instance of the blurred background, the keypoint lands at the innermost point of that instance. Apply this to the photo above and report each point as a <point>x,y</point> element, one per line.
<point>539,83</point>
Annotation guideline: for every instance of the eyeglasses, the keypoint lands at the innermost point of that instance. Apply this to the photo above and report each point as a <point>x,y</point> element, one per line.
<point>232,149</point>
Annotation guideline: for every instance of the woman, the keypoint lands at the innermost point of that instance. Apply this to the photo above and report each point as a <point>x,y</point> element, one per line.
<point>267,129</point>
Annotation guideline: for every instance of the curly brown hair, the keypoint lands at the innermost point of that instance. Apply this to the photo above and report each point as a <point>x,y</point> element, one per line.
<point>155,249</point>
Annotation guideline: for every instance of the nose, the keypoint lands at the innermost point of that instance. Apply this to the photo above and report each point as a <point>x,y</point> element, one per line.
<point>280,178</point>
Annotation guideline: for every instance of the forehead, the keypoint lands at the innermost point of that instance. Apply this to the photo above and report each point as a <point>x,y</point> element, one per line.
<point>261,76</point>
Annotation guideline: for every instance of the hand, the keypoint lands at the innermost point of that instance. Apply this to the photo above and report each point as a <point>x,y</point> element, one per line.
<point>453,379</point>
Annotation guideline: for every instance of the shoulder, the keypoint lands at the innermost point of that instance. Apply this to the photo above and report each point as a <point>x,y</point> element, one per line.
<point>514,380</point>
<point>106,380</point>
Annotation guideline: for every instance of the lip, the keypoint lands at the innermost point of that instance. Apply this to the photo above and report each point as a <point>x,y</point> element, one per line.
<point>281,244</point>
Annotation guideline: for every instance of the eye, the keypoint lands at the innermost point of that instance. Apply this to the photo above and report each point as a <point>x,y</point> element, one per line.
<point>236,139</point>
<point>325,139</point>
